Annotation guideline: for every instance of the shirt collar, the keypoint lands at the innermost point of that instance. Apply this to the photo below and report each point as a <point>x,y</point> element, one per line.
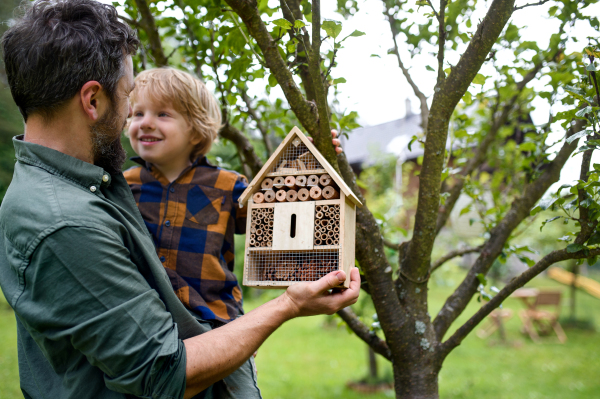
<point>200,161</point>
<point>84,174</point>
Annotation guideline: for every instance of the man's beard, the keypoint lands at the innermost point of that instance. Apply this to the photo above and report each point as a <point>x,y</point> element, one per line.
<point>107,151</point>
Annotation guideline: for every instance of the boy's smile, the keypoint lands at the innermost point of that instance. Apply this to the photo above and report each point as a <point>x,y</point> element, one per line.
<point>162,136</point>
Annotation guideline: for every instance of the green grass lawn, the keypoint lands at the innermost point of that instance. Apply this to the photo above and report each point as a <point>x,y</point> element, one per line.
<point>314,358</point>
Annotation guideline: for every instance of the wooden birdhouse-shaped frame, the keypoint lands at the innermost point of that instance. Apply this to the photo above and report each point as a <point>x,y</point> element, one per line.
<point>301,218</point>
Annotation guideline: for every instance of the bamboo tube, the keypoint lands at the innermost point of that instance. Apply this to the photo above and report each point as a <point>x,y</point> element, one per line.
<point>280,195</point>
<point>303,194</point>
<point>325,180</point>
<point>330,234</point>
<point>269,196</point>
<point>301,181</point>
<point>323,237</point>
<point>252,241</point>
<point>259,232</point>
<point>336,236</point>
<point>252,230</point>
<point>330,193</point>
<point>315,193</point>
<point>269,244</point>
<point>291,196</point>
<point>290,182</point>
<point>258,198</point>
<point>313,180</point>
<point>318,241</point>
<point>329,241</point>
<point>337,216</point>
<point>319,215</point>
<point>336,229</point>
<point>270,223</point>
<point>324,222</point>
<point>266,184</point>
<point>324,208</point>
<point>278,182</point>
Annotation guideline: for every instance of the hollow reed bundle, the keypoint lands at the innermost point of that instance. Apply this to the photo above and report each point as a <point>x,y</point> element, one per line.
<point>261,227</point>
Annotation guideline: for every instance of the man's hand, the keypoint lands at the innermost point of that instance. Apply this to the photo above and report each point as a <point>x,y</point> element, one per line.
<point>317,297</point>
<point>335,141</point>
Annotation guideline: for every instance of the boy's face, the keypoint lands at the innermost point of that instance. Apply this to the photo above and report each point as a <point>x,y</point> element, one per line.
<point>161,135</point>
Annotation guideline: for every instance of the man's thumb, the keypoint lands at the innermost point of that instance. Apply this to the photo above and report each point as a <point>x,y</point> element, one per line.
<point>331,280</point>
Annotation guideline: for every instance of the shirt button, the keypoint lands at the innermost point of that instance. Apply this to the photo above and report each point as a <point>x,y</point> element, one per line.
<point>167,223</point>
<point>105,178</point>
<point>172,189</point>
<point>93,189</point>
<point>162,259</point>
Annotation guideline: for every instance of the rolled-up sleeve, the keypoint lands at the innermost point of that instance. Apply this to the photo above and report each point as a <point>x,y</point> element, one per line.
<point>84,297</point>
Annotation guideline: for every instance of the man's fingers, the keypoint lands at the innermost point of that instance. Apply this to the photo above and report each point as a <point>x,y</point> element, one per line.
<point>332,280</point>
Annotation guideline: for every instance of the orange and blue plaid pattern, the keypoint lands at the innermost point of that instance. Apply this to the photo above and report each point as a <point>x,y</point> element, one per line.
<point>192,221</point>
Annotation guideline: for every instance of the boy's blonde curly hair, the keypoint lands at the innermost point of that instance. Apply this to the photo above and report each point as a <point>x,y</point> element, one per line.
<point>185,94</point>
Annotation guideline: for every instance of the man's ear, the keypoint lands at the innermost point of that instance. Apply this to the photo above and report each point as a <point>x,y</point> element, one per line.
<point>92,99</point>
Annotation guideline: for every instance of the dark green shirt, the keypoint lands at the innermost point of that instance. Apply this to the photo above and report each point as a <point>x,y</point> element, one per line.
<point>96,314</point>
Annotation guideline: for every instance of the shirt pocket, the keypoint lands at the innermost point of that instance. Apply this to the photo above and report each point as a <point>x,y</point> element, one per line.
<point>203,205</point>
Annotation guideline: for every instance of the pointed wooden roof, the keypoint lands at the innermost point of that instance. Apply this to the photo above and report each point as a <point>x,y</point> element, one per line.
<point>254,185</point>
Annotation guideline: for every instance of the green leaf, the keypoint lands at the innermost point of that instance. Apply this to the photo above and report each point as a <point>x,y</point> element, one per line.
<point>356,33</point>
<point>482,279</point>
<point>283,23</point>
<point>412,140</point>
<point>479,79</point>
<point>572,248</point>
<point>577,135</point>
<point>272,80</point>
<point>299,24</point>
<point>339,80</point>
<point>429,68</point>
<point>591,68</point>
<point>362,184</point>
<point>594,239</point>
<point>309,17</point>
<point>581,113</point>
<point>375,55</point>
<point>332,28</point>
<point>526,147</point>
<point>467,98</point>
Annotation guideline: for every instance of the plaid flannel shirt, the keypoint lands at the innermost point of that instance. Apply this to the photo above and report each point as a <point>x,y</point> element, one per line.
<point>192,221</point>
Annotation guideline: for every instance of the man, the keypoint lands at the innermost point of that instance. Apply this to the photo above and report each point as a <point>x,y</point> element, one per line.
<point>96,315</point>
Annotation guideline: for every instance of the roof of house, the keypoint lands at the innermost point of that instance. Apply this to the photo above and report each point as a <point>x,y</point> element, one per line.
<point>269,167</point>
<point>366,144</point>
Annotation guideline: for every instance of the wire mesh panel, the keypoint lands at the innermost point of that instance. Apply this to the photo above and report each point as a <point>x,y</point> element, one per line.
<point>327,225</point>
<point>290,266</point>
<point>261,227</point>
<point>296,158</point>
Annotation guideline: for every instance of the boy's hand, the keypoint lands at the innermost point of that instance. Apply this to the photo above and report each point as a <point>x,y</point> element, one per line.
<point>335,141</point>
<point>317,297</point>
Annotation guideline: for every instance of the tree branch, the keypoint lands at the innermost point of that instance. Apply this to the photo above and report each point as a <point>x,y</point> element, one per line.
<point>520,209</point>
<point>517,282</point>
<point>417,261</point>
<point>453,254</point>
<point>149,25</point>
<point>539,3</point>
<point>480,154</point>
<point>422,98</point>
<point>259,124</point>
<point>441,42</point>
<point>304,111</point>
<point>364,333</point>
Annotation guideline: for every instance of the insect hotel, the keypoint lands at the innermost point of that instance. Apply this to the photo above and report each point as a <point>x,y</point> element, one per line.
<point>301,218</point>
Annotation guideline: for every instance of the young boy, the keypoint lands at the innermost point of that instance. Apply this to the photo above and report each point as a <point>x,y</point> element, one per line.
<point>189,206</point>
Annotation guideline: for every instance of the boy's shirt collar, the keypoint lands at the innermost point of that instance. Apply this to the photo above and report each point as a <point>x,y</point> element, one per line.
<point>200,161</point>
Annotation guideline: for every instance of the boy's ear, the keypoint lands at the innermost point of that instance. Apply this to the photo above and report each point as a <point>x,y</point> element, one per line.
<point>195,139</point>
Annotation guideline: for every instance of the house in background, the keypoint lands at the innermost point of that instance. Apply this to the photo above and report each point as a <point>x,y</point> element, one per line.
<point>366,146</point>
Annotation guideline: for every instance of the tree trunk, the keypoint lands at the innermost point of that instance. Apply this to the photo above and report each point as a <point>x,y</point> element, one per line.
<point>373,372</point>
<point>572,302</point>
<point>416,379</point>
